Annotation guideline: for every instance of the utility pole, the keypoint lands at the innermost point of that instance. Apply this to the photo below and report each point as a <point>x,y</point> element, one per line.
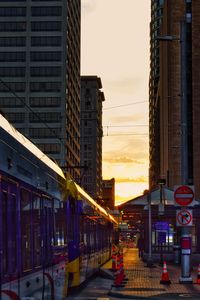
<point>185,230</point>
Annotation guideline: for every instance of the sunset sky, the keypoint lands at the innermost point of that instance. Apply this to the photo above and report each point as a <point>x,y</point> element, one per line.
<point>115,47</point>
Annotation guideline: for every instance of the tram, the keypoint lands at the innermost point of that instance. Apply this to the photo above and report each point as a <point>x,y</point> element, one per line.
<point>53,235</point>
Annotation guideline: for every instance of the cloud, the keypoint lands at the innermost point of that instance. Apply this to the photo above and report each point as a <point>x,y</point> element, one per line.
<point>111,159</point>
<point>135,179</point>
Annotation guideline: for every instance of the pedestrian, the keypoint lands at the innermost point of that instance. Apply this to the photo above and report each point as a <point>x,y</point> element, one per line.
<point>140,245</point>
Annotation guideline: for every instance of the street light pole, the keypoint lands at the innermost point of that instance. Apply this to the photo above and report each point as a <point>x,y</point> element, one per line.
<point>184,107</point>
<point>185,231</point>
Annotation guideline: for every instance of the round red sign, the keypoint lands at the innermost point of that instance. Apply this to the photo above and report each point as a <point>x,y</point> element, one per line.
<point>183,195</point>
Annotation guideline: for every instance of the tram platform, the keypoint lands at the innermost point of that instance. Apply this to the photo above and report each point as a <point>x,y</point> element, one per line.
<point>144,282</point>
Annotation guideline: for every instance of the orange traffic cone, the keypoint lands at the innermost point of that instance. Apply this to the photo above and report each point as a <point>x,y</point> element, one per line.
<point>118,279</point>
<point>114,258</point>
<point>165,277</point>
<point>198,275</point>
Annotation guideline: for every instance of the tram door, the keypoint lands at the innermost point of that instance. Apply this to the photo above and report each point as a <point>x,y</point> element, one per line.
<point>9,265</point>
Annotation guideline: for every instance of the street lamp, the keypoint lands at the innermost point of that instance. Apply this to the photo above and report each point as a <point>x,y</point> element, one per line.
<point>185,259</point>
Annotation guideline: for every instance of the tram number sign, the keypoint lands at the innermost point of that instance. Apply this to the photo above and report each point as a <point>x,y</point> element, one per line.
<point>183,195</point>
<point>184,217</point>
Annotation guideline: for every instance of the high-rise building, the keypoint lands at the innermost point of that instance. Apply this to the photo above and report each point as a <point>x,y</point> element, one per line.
<point>91,135</point>
<point>174,93</point>
<point>108,195</point>
<point>154,131</point>
<point>40,74</point>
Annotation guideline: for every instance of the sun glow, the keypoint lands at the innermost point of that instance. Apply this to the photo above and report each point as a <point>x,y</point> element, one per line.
<point>125,191</point>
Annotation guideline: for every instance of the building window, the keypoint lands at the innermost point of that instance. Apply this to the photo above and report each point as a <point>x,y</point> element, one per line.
<point>46,11</point>
<point>12,26</point>
<point>12,72</point>
<point>12,11</point>
<point>49,148</point>
<point>45,71</point>
<point>46,26</point>
<point>12,102</point>
<point>188,17</point>
<point>45,117</point>
<point>12,56</point>
<point>46,56</point>
<point>45,86</point>
<point>45,101</point>
<point>15,117</point>
<point>12,86</point>
<point>12,41</point>
<point>44,132</point>
<point>87,105</point>
<point>46,41</point>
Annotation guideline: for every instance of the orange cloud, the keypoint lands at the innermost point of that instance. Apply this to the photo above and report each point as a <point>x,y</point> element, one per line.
<point>135,179</point>
<point>122,159</point>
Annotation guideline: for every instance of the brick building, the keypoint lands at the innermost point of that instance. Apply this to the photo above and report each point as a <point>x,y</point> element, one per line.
<point>174,74</point>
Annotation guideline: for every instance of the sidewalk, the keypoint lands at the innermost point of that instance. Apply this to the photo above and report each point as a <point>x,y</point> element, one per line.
<point>145,282</point>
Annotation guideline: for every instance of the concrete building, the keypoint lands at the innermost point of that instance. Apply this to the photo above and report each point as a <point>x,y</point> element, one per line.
<point>174,80</point>
<point>91,135</point>
<point>109,193</point>
<point>40,75</point>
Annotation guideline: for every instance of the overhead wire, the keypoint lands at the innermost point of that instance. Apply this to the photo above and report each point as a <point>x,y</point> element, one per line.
<point>30,109</point>
<point>61,139</point>
<point>121,105</point>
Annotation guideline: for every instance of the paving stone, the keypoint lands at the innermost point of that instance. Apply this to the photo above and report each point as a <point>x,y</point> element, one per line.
<point>145,282</point>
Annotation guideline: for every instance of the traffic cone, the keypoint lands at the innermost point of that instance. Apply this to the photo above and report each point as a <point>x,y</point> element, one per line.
<point>198,275</point>
<point>118,274</point>
<point>113,262</point>
<point>114,258</point>
<point>165,277</point>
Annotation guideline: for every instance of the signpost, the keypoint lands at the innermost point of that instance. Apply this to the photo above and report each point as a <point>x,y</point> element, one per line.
<point>183,197</point>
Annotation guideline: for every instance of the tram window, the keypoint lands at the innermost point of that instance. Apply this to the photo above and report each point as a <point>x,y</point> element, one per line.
<point>26,229</point>
<point>82,230</point>
<point>60,223</point>
<point>71,220</point>
<point>88,232</point>
<point>13,234</point>
<point>9,223</point>
<point>47,230</point>
<point>4,234</point>
<point>36,231</point>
